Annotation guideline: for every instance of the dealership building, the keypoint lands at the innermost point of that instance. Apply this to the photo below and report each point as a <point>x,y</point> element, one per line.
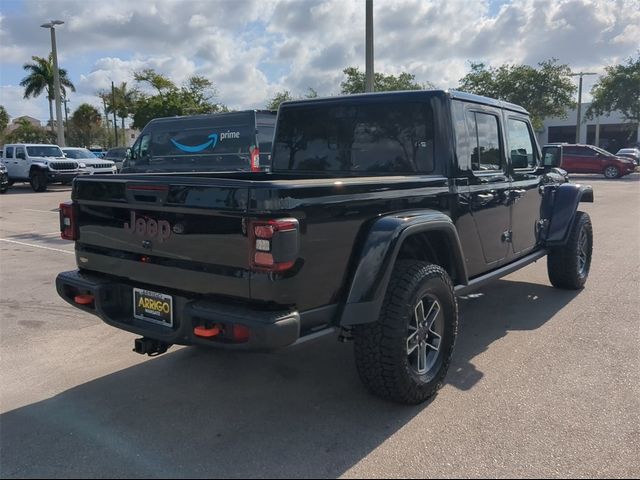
<point>611,132</point>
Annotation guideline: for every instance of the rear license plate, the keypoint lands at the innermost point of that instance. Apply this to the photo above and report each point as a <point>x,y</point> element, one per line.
<point>153,307</point>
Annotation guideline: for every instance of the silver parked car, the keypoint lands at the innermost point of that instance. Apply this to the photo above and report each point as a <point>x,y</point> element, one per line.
<point>92,164</point>
<point>632,153</point>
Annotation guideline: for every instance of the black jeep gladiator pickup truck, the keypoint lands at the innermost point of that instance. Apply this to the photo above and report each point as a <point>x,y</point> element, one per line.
<point>379,210</point>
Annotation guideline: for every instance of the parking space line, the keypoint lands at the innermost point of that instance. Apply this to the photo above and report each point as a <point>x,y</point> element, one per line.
<point>35,246</point>
<point>41,211</point>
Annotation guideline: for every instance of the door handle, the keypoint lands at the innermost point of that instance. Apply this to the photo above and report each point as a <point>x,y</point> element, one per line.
<point>486,197</point>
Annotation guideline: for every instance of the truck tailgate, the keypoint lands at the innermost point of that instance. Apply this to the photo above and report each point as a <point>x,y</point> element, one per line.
<point>175,232</point>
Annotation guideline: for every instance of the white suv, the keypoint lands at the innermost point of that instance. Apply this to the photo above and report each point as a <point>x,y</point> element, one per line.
<point>92,163</point>
<point>38,164</point>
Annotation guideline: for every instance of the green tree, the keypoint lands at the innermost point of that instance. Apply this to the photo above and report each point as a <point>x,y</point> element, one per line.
<point>195,96</point>
<point>26,132</point>
<point>618,89</point>
<point>278,98</point>
<point>40,79</point>
<point>4,119</point>
<point>355,82</point>
<point>85,125</point>
<point>121,100</point>
<point>544,91</point>
<point>154,79</point>
<point>285,96</point>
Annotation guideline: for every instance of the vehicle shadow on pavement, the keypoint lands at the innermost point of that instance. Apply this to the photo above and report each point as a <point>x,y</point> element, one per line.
<point>489,314</point>
<point>193,413</point>
<point>50,239</point>
<point>585,178</point>
<point>25,188</point>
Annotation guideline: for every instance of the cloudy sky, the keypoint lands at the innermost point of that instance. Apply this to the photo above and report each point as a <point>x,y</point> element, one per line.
<point>251,49</point>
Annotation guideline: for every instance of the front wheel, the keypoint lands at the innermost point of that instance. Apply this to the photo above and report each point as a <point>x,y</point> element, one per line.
<point>38,181</point>
<point>611,172</point>
<point>405,354</point>
<point>568,266</point>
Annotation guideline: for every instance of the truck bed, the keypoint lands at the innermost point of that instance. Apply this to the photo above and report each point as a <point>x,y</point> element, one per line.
<point>207,251</point>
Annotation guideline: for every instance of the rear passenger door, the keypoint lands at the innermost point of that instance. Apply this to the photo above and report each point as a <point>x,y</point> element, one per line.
<point>573,161</point>
<point>9,161</point>
<point>524,196</point>
<point>264,134</point>
<point>21,163</point>
<point>489,183</point>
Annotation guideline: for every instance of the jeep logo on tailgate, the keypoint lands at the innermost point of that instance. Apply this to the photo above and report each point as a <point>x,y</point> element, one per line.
<point>149,227</point>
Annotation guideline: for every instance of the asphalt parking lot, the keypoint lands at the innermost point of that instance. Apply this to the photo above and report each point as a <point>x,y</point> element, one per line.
<point>544,382</point>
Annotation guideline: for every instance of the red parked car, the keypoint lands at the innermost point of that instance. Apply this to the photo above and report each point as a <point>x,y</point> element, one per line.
<point>576,158</point>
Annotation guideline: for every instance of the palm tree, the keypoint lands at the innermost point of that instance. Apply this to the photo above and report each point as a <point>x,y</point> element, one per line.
<point>125,100</point>
<point>120,100</point>
<point>40,79</point>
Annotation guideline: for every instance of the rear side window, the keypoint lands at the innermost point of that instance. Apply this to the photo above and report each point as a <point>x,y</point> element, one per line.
<point>265,138</point>
<point>521,149</point>
<point>372,138</point>
<point>8,152</point>
<point>486,153</point>
<point>579,151</point>
<point>571,151</point>
<point>203,141</point>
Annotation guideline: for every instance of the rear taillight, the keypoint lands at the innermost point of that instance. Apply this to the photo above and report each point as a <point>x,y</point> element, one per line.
<point>68,224</point>
<point>255,159</point>
<point>274,244</point>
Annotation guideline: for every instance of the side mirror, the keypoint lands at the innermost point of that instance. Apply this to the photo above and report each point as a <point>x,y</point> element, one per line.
<point>128,154</point>
<point>551,156</point>
<point>519,160</point>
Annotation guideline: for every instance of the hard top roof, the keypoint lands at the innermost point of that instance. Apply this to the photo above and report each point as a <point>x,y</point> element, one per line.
<point>453,94</point>
<point>31,145</point>
<point>209,116</point>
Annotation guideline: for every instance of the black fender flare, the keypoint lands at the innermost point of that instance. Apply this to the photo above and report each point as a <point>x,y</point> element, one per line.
<point>378,256</point>
<point>39,167</point>
<point>565,204</point>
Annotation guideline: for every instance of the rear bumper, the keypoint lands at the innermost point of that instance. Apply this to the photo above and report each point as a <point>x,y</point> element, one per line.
<point>114,305</point>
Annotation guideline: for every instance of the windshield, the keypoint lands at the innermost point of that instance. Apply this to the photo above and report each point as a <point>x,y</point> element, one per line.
<point>79,154</point>
<point>603,152</point>
<point>44,151</point>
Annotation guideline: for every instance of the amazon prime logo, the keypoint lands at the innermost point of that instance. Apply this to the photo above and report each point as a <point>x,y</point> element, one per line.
<point>213,141</point>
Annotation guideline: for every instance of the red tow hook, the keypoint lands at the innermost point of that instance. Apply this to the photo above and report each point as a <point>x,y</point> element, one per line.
<point>85,299</point>
<point>207,332</point>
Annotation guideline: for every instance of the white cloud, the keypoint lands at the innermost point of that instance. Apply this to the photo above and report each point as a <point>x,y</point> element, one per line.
<point>250,48</point>
<point>11,97</point>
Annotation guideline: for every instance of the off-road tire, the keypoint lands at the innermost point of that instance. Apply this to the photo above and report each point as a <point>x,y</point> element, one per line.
<point>38,181</point>
<point>568,266</point>
<point>381,347</point>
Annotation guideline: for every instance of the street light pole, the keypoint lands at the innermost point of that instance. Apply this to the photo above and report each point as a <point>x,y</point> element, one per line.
<point>56,79</point>
<point>113,108</point>
<point>66,113</point>
<point>369,87</point>
<point>579,116</point>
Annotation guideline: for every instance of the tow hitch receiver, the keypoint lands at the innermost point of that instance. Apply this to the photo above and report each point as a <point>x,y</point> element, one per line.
<point>149,346</point>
